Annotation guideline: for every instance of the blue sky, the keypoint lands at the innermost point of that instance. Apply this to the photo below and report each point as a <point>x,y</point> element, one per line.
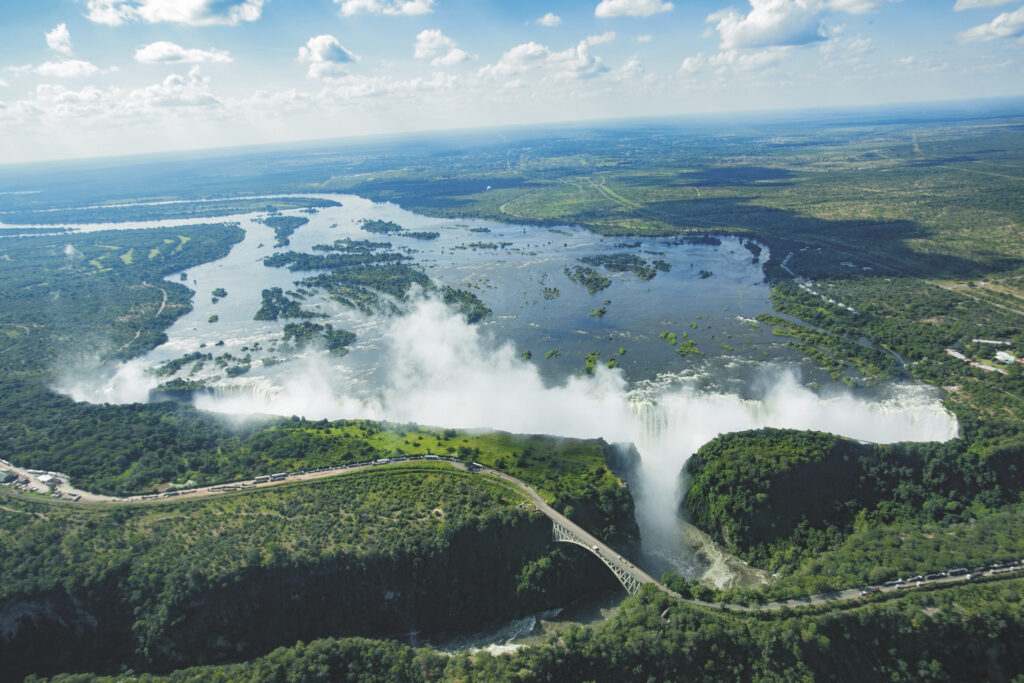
<point>82,78</point>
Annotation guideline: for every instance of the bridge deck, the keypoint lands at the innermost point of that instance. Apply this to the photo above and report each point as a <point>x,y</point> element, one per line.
<point>566,531</point>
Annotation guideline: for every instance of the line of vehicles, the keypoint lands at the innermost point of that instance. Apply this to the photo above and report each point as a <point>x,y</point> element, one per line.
<point>232,486</point>
<point>994,569</point>
<point>281,476</point>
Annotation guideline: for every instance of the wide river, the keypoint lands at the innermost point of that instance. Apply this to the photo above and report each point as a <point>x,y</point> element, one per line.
<point>426,364</point>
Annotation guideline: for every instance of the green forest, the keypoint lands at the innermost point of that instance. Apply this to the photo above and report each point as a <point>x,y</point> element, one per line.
<point>794,502</point>
<point>160,586</point>
<point>930,636</point>
<point>885,244</point>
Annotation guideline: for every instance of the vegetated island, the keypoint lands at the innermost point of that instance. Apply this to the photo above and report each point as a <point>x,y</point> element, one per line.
<point>284,226</point>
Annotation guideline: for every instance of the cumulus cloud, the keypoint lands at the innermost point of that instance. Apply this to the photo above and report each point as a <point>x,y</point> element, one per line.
<point>632,72</point>
<point>847,50</point>
<point>326,56</point>
<point>67,68</point>
<point>392,7</point>
<point>962,5</point>
<point>56,102</point>
<point>517,60</point>
<point>176,90</point>
<point>78,118</point>
<point>782,22</point>
<point>550,19</point>
<point>165,52</point>
<point>1006,25</point>
<point>734,60</point>
<point>352,87</point>
<point>574,62</point>
<point>59,39</point>
<point>189,12</point>
<point>644,38</point>
<point>439,48</point>
<point>770,22</point>
<point>855,6</point>
<point>631,8</point>
<point>605,37</point>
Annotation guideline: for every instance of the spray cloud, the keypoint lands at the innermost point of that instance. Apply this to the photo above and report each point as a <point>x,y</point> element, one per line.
<point>442,371</point>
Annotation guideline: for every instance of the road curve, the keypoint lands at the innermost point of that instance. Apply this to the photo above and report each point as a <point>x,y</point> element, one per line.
<point>610,556</point>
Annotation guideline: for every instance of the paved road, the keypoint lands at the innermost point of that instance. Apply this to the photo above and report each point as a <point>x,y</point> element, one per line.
<point>608,554</point>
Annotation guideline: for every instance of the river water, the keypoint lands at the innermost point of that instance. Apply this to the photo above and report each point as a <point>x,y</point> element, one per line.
<point>427,365</point>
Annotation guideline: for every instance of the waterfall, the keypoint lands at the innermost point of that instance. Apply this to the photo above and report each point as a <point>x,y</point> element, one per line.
<point>673,420</point>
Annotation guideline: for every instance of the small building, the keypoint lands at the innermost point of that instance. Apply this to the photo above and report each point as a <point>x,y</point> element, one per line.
<point>49,480</point>
<point>1004,357</point>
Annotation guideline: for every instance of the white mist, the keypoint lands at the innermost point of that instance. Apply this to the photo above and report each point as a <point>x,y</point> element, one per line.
<point>442,371</point>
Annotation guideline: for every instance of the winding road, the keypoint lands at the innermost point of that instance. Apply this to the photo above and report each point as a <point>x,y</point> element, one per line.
<point>614,560</point>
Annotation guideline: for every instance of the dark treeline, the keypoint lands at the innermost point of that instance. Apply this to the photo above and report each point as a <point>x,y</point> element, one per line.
<point>941,636</point>
<point>778,497</point>
<point>422,549</point>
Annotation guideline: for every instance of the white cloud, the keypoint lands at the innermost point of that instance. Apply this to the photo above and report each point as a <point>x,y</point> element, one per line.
<point>632,72</point>
<point>59,105</point>
<point>165,52</point>
<point>192,90</point>
<point>353,86</point>
<point>770,22</point>
<point>517,60</point>
<point>693,64</point>
<point>734,60</point>
<point>189,12</point>
<point>571,63</point>
<point>326,56</point>
<point>962,5</point>
<point>645,38</point>
<point>59,39</point>
<point>748,61</point>
<point>855,6</point>
<point>434,45</point>
<point>4,84</point>
<point>392,7</point>
<point>783,22</point>
<point>631,8</point>
<point>1006,25</point>
<point>848,50</point>
<point>606,37</point>
<point>576,62</point>
<point>67,68</point>
<point>550,19</point>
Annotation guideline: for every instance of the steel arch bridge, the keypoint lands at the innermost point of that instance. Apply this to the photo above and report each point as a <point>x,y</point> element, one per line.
<point>629,580</point>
